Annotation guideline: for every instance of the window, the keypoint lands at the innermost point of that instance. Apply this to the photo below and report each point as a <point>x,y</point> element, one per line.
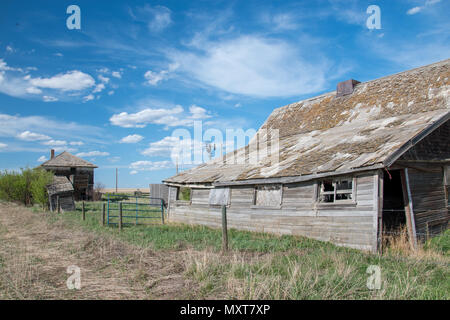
<point>268,196</point>
<point>219,196</point>
<point>184,193</point>
<point>336,190</point>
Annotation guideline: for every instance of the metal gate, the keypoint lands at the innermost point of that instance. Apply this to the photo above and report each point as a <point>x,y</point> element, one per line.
<point>134,209</point>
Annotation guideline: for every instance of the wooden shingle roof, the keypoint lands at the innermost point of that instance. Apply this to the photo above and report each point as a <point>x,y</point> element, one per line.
<point>66,159</point>
<point>60,184</point>
<point>330,135</point>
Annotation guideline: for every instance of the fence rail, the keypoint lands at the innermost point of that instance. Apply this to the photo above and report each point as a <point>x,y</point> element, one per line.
<point>119,209</point>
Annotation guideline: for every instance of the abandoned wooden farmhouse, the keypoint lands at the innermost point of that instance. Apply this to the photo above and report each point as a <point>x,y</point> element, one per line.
<point>352,165</point>
<point>78,171</point>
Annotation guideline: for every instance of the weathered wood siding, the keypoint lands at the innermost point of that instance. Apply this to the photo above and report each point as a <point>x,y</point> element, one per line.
<point>435,146</point>
<point>353,225</point>
<point>428,200</point>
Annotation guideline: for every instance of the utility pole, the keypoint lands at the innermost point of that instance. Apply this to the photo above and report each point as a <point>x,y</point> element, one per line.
<point>116,178</point>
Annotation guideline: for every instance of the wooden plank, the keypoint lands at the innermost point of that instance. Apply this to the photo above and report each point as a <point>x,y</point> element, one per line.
<point>409,212</point>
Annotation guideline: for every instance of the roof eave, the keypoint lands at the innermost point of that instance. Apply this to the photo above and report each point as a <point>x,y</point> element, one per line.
<point>389,161</point>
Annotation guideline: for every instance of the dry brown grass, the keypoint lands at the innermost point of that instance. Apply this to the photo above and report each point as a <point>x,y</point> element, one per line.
<point>398,244</point>
<point>35,253</point>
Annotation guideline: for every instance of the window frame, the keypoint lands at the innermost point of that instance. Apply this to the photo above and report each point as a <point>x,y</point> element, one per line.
<point>180,201</point>
<point>255,191</point>
<point>335,192</point>
<point>214,205</point>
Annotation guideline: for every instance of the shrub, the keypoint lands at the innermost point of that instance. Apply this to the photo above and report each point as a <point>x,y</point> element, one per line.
<point>27,186</point>
<point>41,178</point>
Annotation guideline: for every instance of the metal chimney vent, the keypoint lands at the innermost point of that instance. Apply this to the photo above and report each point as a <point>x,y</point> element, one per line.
<point>346,87</point>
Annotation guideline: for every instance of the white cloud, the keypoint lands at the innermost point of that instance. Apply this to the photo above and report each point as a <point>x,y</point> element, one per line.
<point>3,145</point>
<point>414,10</point>
<point>69,81</point>
<point>9,49</point>
<point>255,66</point>
<point>103,70</point>
<point>103,79</point>
<point>418,9</point>
<point>99,88</point>
<point>132,172</point>
<point>157,18</point>
<point>116,74</point>
<point>142,118</point>
<point>110,93</point>
<point>88,98</point>
<point>13,83</point>
<point>42,159</point>
<point>281,21</point>
<point>162,147</point>
<point>34,90</point>
<point>168,117</point>
<point>49,99</point>
<point>55,143</point>
<point>76,143</point>
<point>153,78</point>
<point>31,136</point>
<point>198,112</point>
<point>134,138</point>
<point>150,165</point>
<point>92,154</point>
<point>65,148</point>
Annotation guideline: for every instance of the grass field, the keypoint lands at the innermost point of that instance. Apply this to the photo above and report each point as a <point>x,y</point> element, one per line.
<point>262,266</point>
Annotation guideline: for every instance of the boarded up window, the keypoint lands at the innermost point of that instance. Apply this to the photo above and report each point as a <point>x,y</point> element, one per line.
<point>336,190</point>
<point>268,196</point>
<point>199,196</point>
<point>219,196</point>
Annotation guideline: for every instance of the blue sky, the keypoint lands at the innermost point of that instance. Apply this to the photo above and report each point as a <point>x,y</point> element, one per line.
<point>114,91</point>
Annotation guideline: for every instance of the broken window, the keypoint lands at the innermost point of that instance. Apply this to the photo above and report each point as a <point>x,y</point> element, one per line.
<point>184,193</point>
<point>336,190</point>
<point>268,196</point>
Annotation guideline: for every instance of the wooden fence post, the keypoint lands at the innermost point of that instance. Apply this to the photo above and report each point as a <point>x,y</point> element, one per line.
<point>58,207</point>
<point>120,216</point>
<point>162,211</point>
<point>224,229</point>
<point>103,213</point>
<point>83,211</point>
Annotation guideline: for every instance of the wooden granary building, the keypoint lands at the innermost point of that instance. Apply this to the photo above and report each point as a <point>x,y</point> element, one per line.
<point>61,193</point>
<point>351,165</point>
<point>79,172</point>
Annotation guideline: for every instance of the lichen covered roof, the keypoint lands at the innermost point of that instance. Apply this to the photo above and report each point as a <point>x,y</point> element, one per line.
<point>340,134</point>
<point>66,159</point>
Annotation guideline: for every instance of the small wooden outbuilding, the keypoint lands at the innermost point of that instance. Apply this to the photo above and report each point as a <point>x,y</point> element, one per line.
<point>351,165</point>
<point>79,172</point>
<point>60,192</point>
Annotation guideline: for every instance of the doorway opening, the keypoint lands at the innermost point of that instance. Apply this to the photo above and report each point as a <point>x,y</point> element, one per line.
<point>394,218</point>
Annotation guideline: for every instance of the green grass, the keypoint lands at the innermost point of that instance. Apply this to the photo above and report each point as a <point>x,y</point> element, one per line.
<point>264,266</point>
<point>440,243</point>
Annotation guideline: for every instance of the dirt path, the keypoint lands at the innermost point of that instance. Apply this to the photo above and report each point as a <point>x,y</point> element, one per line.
<point>35,254</point>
